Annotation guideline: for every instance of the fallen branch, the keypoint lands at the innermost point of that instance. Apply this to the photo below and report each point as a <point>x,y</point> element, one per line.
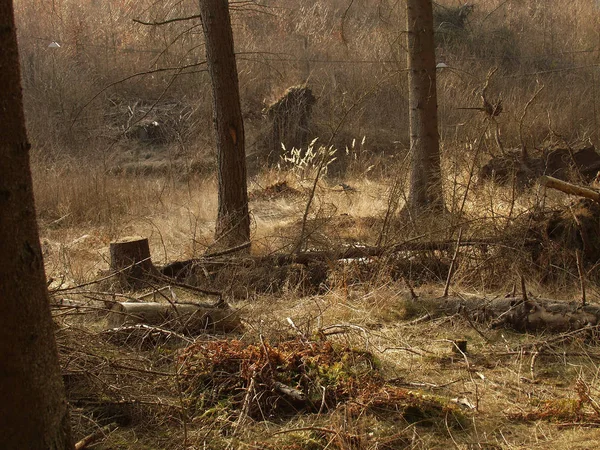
<point>523,314</point>
<point>177,268</point>
<point>294,394</point>
<point>189,318</point>
<point>569,188</point>
<point>95,436</point>
<point>126,331</point>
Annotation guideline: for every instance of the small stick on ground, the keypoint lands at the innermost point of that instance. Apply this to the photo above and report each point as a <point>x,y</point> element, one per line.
<point>413,296</point>
<point>95,436</point>
<point>246,406</point>
<point>421,319</point>
<point>291,392</point>
<point>532,364</point>
<point>295,328</point>
<point>452,264</point>
<point>581,276</point>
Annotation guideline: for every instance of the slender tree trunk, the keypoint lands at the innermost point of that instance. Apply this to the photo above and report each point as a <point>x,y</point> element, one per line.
<point>233,220</point>
<point>33,411</point>
<point>425,171</point>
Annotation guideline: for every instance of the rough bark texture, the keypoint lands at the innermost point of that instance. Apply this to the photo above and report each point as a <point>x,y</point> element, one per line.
<point>130,258</point>
<point>34,412</point>
<point>233,221</point>
<point>525,315</point>
<point>425,175</point>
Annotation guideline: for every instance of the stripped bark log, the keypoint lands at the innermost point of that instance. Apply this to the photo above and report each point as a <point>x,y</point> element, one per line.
<point>569,188</point>
<point>189,319</point>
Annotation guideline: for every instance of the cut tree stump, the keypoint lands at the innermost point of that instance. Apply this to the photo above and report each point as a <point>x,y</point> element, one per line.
<point>131,262</point>
<point>187,318</point>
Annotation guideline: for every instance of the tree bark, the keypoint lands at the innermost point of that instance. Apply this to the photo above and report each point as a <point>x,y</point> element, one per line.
<point>425,169</point>
<point>233,220</point>
<point>34,413</point>
<point>130,259</point>
<point>520,314</point>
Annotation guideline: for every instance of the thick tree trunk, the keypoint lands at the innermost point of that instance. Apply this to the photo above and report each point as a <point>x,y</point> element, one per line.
<point>425,171</point>
<point>233,220</point>
<point>34,412</point>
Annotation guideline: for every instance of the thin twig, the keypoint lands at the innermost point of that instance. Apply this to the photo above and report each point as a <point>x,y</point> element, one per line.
<point>413,295</point>
<point>452,264</point>
<point>228,251</point>
<point>523,146</point>
<point>165,22</point>
<point>581,275</point>
<point>293,430</point>
<point>524,290</point>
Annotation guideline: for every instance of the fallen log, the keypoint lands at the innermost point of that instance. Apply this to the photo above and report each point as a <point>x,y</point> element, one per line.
<point>178,269</point>
<point>188,318</point>
<point>524,315</point>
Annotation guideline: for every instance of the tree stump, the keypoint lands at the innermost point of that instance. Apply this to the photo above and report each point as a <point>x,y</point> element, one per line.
<point>130,260</point>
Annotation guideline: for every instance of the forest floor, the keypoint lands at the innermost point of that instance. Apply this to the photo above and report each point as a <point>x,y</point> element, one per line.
<point>355,363</point>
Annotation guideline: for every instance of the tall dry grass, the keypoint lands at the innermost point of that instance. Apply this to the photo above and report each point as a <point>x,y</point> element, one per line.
<point>111,72</point>
<point>349,53</point>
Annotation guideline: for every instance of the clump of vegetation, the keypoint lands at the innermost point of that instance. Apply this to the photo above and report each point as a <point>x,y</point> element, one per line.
<point>299,376</point>
<point>309,376</point>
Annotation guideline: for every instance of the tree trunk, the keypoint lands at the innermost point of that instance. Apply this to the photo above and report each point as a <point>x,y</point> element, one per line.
<point>233,220</point>
<point>425,171</point>
<point>34,413</point>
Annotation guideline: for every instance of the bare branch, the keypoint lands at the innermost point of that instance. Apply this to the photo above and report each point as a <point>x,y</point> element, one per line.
<point>165,22</point>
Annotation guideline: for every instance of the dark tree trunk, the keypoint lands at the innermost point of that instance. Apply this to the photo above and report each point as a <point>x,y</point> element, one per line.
<point>425,171</point>
<point>34,412</point>
<point>233,220</point>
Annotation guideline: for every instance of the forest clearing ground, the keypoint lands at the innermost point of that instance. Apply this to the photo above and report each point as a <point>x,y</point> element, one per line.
<point>515,391</point>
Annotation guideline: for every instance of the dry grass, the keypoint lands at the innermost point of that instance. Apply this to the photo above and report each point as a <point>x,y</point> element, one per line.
<point>94,183</point>
<point>516,391</point>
